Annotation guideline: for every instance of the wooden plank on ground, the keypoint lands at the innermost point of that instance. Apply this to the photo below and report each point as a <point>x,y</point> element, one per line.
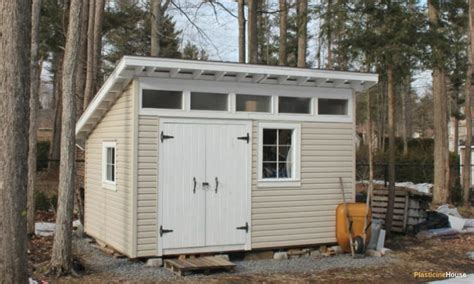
<point>202,264</point>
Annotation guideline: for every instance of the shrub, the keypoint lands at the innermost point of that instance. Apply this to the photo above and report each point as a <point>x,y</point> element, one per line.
<point>44,203</point>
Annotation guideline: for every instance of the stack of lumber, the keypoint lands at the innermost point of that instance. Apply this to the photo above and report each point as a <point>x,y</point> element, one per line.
<point>409,210</point>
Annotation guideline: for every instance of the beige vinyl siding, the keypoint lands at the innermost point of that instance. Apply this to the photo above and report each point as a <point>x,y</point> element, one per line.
<point>305,215</point>
<point>280,216</point>
<point>109,213</point>
<point>147,192</point>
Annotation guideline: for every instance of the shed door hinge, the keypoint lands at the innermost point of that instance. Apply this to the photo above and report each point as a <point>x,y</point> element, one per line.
<point>164,231</point>
<point>246,227</point>
<point>246,137</point>
<point>163,137</point>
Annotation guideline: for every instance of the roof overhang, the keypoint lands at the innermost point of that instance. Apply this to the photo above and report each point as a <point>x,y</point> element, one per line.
<point>131,67</point>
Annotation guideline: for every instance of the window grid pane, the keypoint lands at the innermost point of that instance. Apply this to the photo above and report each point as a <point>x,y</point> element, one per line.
<point>277,157</point>
<point>209,101</point>
<point>252,103</point>
<point>332,106</point>
<point>110,164</point>
<point>162,99</point>
<point>294,105</point>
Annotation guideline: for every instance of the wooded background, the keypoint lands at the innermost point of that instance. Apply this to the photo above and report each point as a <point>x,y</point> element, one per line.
<point>55,55</point>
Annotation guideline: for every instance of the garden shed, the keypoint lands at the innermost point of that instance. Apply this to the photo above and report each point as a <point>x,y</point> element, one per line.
<point>186,156</point>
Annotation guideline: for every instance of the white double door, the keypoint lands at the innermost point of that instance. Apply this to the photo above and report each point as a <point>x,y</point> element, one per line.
<point>205,180</point>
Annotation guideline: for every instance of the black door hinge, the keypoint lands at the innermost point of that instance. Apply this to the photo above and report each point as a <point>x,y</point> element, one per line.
<point>164,231</point>
<point>246,137</point>
<point>246,227</point>
<point>163,137</point>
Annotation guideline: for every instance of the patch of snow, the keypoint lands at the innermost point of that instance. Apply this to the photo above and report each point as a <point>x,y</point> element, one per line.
<point>456,220</point>
<point>44,229</point>
<point>448,211</point>
<point>421,187</point>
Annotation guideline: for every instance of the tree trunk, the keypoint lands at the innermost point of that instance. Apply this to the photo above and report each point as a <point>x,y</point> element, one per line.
<point>82,62</point>
<point>302,32</point>
<point>467,168</point>
<point>241,19</point>
<point>54,150</point>
<point>34,102</point>
<point>406,90</point>
<point>391,149</point>
<point>282,53</point>
<point>93,49</point>
<point>370,145</point>
<point>61,257</point>
<point>252,31</point>
<point>155,28</point>
<point>329,33</point>
<point>15,43</point>
<point>441,165</point>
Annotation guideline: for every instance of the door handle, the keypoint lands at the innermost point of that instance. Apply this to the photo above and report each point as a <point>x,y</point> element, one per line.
<point>194,188</point>
<point>217,184</point>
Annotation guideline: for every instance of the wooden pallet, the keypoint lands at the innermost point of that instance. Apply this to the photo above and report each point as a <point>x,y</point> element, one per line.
<point>408,210</point>
<point>200,264</point>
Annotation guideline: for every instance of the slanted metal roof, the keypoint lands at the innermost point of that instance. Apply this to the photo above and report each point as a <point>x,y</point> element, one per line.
<point>131,67</point>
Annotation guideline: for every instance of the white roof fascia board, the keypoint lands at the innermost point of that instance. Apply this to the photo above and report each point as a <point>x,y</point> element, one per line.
<point>104,90</point>
<point>249,68</point>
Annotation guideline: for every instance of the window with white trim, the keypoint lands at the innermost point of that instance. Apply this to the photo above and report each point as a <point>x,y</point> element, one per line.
<point>294,105</point>
<point>162,99</point>
<point>109,164</point>
<point>279,152</point>
<point>333,106</point>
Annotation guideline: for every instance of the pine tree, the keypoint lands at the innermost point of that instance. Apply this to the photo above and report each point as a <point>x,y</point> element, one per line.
<point>132,36</point>
<point>387,38</point>
<point>191,51</point>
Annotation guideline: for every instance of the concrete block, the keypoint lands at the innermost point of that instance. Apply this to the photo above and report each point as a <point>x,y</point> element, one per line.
<point>154,262</point>
<point>385,251</point>
<point>374,253</point>
<point>316,254</point>
<point>259,255</point>
<point>337,249</point>
<point>280,255</point>
<point>381,240</point>
<point>323,249</point>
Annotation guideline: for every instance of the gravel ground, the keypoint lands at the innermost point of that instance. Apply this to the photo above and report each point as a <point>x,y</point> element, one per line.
<point>102,266</point>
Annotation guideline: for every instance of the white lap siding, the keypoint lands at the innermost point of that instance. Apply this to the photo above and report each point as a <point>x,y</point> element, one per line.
<point>306,214</point>
<point>108,213</point>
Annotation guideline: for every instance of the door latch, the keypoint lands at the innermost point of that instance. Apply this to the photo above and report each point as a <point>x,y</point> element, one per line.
<point>246,227</point>
<point>163,137</point>
<point>164,231</point>
<point>246,137</point>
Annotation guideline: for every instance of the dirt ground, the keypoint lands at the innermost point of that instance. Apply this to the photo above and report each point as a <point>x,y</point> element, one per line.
<point>408,256</point>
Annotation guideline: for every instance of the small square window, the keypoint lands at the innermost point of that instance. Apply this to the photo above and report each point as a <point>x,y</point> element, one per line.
<point>251,103</point>
<point>209,101</point>
<point>332,106</point>
<point>294,105</point>
<point>279,155</point>
<point>162,99</point>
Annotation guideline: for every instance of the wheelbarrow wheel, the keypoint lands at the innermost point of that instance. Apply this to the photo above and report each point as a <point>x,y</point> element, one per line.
<point>358,243</point>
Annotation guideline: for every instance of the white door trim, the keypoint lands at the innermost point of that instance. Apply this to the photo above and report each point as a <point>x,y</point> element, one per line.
<point>248,243</point>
